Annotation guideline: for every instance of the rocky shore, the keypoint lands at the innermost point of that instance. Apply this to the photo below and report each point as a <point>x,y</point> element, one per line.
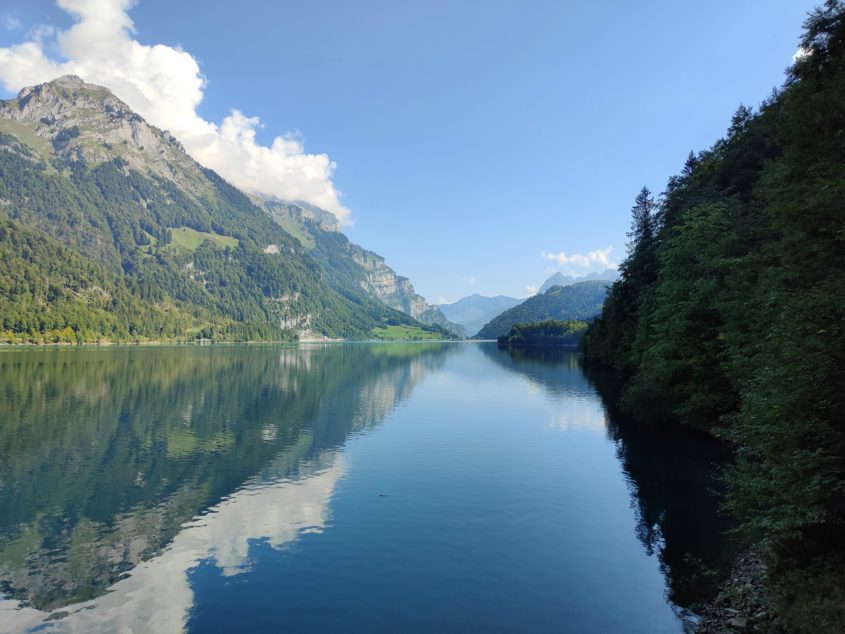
<point>742,603</point>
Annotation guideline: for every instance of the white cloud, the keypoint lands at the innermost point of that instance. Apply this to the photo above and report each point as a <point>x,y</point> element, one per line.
<point>164,84</point>
<point>530,290</point>
<point>801,53</point>
<point>472,280</point>
<point>157,595</point>
<point>11,23</point>
<point>597,258</point>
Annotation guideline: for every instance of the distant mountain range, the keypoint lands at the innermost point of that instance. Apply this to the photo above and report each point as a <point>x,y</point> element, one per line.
<point>109,230</point>
<point>559,279</point>
<point>580,301</point>
<point>476,310</point>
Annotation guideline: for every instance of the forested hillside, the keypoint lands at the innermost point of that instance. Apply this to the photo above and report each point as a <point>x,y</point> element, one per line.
<point>581,301</point>
<point>729,316</point>
<point>109,231</point>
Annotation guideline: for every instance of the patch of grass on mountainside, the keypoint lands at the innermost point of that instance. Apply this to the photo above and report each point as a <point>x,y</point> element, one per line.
<point>405,333</point>
<point>28,136</point>
<point>298,231</point>
<point>187,239</point>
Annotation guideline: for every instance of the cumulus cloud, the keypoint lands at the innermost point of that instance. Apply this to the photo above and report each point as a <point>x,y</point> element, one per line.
<point>165,85</point>
<point>597,258</point>
<point>530,290</point>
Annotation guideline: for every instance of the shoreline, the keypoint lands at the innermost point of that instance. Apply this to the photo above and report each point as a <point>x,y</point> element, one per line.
<point>205,343</point>
<point>742,602</point>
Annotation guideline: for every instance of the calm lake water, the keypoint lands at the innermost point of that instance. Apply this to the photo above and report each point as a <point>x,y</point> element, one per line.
<point>342,488</point>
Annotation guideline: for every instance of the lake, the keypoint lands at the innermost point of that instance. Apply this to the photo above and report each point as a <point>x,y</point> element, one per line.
<point>343,487</point>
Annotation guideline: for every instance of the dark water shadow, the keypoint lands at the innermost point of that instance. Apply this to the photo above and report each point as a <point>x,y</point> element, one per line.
<point>674,475</point>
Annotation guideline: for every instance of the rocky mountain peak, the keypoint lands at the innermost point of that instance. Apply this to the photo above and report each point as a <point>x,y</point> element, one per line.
<point>63,102</point>
<point>78,122</point>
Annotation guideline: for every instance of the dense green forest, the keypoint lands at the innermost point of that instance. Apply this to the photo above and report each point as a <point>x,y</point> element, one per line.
<point>581,301</point>
<point>101,251</point>
<point>728,316</point>
<point>545,333</point>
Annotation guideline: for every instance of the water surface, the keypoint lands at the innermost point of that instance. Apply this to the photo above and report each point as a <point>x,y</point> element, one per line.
<point>359,487</point>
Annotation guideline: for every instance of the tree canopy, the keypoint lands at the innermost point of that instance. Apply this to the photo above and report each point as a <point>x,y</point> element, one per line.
<point>728,316</point>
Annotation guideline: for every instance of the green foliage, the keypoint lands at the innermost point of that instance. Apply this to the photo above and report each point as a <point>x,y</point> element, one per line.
<point>580,302</point>
<point>545,333</point>
<point>187,239</point>
<point>737,325</point>
<point>298,230</point>
<point>409,333</point>
<point>612,337</point>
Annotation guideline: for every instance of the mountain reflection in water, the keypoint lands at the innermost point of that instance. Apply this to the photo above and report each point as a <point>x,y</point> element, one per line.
<point>128,474</point>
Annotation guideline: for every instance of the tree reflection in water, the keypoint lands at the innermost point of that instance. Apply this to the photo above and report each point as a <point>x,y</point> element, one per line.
<point>673,475</point>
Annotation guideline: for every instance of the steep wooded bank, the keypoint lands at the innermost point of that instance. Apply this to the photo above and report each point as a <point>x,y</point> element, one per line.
<point>728,316</point>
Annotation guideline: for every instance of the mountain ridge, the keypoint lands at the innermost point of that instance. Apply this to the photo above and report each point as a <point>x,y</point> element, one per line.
<point>576,302</point>
<point>113,232</point>
<point>559,279</point>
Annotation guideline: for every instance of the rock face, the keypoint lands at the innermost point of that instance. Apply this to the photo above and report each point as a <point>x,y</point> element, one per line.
<point>345,262</point>
<point>396,291</point>
<point>300,211</point>
<point>382,282</point>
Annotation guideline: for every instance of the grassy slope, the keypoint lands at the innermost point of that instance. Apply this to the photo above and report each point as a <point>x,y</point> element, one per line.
<point>187,239</point>
<point>405,333</point>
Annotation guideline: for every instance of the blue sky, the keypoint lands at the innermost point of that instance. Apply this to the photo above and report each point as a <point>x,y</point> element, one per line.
<point>469,138</point>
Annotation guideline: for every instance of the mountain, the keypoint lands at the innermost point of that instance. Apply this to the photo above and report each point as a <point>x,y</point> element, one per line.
<point>581,301</point>
<point>109,230</point>
<point>559,279</point>
<point>476,310</point>
<point>350,269</point>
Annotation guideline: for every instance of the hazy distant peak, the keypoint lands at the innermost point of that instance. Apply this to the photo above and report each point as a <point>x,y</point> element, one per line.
<point>474,311</point>
<point>559,279</point>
